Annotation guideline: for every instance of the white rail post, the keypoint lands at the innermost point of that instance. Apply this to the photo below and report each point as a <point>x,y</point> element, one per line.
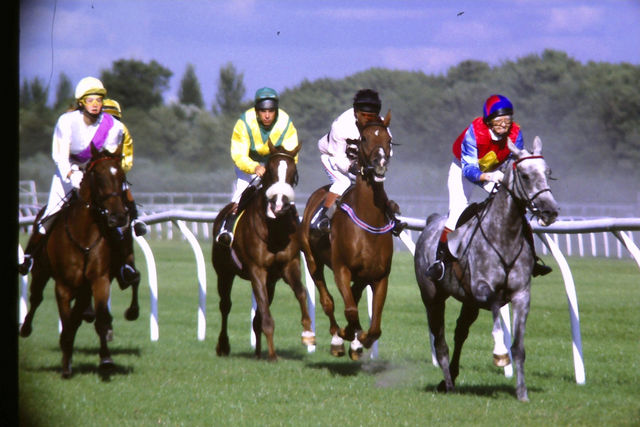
<point>572,301</point>
<point>24,290</point>
<point>153,286</point>
<point>202,278</point>
<point>311,299</point>
<point>628,243</point>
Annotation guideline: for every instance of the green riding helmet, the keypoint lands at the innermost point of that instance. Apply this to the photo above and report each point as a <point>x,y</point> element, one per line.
<point>265,99</point>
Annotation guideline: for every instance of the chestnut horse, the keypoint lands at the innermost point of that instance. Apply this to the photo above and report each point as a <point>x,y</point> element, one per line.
<point>77,254</point>
<point>359,246</point>
<point>264,249</point>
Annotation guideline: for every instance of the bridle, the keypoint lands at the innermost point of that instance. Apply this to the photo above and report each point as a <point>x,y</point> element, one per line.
<point>293,159</point>
<point>97,203</point>
<point>366,167</point>
<point>518,191</point>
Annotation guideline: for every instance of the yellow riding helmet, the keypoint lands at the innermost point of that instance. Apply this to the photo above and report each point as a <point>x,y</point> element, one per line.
<point>89,86</point>
<point>112,107</point>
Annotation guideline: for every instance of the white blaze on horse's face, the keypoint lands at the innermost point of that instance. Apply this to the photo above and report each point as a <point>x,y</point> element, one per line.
<point>279,195</point>
<point>380,165</point>
<point>113,170</point>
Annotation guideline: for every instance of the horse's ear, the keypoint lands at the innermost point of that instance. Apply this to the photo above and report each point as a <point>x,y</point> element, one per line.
<point>537,146</point>
<point>387,118</point>
<point>118,152</point>
<point>512,147</point>
<point>294,152</point>
<point>271,147</point>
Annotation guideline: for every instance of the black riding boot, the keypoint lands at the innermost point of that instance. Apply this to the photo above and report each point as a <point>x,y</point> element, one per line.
<point>32,247</point>
<point>122,250</point>
<point>225,235</point>
<point>320,220</point>
<point>436,270</point>
<point>139,227</point>
<point>539,267</point>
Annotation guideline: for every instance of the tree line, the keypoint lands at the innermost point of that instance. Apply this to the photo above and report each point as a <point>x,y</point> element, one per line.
<point>587,115</point>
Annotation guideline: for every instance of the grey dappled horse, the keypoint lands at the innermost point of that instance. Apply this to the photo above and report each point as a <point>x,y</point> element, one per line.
<point>493,263</point>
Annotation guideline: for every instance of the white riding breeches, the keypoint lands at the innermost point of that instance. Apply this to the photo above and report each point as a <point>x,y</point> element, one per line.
<point>60,189</point>
<point>243,180</point>
<point>460,190</point>
<point>339,181</point>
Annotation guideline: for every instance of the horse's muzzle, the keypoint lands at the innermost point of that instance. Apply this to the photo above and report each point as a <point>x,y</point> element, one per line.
<point>115,220</point>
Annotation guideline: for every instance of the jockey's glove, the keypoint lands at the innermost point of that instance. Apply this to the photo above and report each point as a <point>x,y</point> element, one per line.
<point>75,178</point>
<point>495,176</point>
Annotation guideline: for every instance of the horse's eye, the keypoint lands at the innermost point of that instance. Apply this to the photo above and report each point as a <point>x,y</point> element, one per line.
<point>525,176</point>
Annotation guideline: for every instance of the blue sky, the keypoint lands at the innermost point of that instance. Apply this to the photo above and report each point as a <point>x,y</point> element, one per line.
<point>281,43</point>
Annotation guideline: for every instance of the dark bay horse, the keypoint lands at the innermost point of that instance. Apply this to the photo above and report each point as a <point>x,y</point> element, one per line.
<point>265,248</point>
<point>494,261</point>
<point>359,247</point>
<point>78,256</point>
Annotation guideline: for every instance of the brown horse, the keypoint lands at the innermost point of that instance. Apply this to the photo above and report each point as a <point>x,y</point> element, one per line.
<point>79,257</point>
<point>359,247</point>
<point>264,249</point>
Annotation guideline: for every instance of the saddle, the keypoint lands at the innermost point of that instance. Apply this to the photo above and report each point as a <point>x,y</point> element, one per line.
<point>454,238</point>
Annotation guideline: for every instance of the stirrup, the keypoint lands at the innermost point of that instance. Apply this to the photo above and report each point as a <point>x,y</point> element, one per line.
<point>26,265</point>
<point>128,276</point>
<point>436,270</point>
<point>321,221</point>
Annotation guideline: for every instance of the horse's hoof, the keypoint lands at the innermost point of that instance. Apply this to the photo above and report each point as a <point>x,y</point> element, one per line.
<point>222,350</point>
<point>337,350</point>
<point>132,313</point>
<point>66,374</point>
<point>443,388</point>
<point>308,338</point>
<point>501,360</point>
<point>25,330</point>
<point>355,354</point>
<point>106,363</point>
<point>109,336</point>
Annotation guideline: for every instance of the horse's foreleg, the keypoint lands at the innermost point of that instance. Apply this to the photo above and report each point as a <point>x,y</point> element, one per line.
<point>520,306</point>
<point>293,279</point>
<point>70,319</point>
<point>38,281</point>
<point>500,351</point>
<point>225,282</point>
<point>133,311</point>
<point>342,277</point>
<point>101,289</point>
<point>375,328</point>
<point>468,315</point>
<point>263,322</point>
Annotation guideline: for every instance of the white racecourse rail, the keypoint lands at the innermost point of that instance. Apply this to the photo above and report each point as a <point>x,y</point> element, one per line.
<point>617,226</point>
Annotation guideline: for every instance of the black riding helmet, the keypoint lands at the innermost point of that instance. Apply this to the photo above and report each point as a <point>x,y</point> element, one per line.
<point>367,100</point>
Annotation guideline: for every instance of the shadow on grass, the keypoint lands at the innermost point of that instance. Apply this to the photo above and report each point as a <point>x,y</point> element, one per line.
<point>284,354</point>
<point>491,391</point>
<point>105,373</point>
<point>346,367</point>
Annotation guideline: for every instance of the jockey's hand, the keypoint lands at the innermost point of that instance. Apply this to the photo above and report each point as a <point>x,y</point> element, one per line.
<point>75,178</point>
<point>259,170</point>
<point>352,152</point>
<point>495,176</point>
